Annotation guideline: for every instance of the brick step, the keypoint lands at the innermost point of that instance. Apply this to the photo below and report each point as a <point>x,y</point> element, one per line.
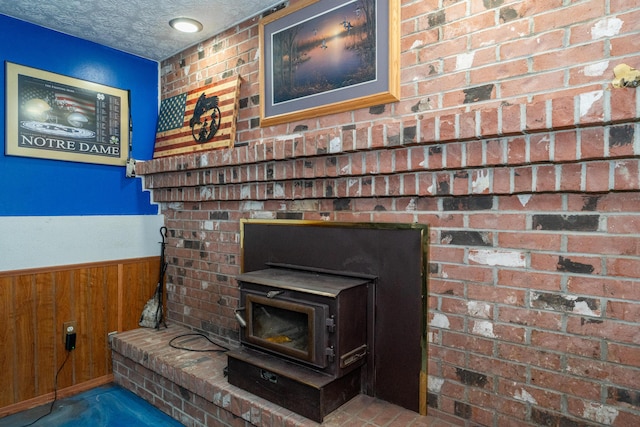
<point>192,388</point>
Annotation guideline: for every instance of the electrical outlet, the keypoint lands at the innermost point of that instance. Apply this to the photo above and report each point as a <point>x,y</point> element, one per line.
<point>130,170</point>
<point>70,333</point>
<point>69,328</point>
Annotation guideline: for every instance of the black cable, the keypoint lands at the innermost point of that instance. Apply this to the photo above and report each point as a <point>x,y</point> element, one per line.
<point>55,392</point>
<point>221,349</point>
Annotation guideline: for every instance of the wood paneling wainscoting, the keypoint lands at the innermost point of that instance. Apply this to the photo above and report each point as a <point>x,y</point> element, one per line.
<point>34,304</point>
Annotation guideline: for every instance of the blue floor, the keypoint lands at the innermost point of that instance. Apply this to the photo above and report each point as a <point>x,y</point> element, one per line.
<point>106,406</point>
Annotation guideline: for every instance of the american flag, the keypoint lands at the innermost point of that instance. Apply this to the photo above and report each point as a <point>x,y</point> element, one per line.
<point>175,136</point>
<point>171,114</point>
<point>72,103</point>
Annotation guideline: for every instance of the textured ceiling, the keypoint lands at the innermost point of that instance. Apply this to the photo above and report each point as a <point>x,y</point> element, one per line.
<point>140,27</point>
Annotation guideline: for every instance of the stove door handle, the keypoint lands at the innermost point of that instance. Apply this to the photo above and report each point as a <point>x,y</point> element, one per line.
<point>269,376</point>
<point>239,318</point>
<point>273,294</point>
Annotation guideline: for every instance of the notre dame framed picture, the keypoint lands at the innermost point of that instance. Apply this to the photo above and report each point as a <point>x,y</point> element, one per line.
<point>52,116</point>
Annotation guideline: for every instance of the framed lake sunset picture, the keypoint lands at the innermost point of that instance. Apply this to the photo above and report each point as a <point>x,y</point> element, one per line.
<point>329,56</point>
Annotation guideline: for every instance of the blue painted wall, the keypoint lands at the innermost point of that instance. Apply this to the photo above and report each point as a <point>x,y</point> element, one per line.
<point>40,187</point>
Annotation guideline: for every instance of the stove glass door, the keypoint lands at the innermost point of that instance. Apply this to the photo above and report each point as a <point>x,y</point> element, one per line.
<point>287,327</point>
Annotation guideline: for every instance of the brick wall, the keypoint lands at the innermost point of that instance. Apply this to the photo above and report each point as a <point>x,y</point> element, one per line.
<point>511,143</point>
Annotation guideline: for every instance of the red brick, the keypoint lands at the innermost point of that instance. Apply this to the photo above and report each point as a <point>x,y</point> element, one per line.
<point>438,286</point>
<point>591,107</point>
<point>620,202</point>
<point>481,181</point>
<point>489,122</point>
<point>473,344</point>
<point>522,179</point>
<point>544,398</point>
<point>458,24</point>
<point>626,174</point>
<point>567,57</point>
<point>467,125</point>
<point>497,221</point>
<point>385,162</point>
<point>482,415</point>
<point>623,333</point>
<point>401,159</point>
<point>570,385</point>
<point>453,306</point>
<point>452,357</point>
<point>606,245</point>
<point>536,116</point>
<point>550,262</point>
<point>496,294</point>
<point>509,332</point>
<point>623,354</point>
<point>448,127</point>
<point>435,157</point>
<point>597,176</point>
<point>533,241</point>
<point>527,46</point>
<point>444,183</point>
<point>516,151</point>
<point>565,146</point>
<point>418,158</point>
<point>475,274</point>
<point>426,184</point>
<point>362,138</point>
<point>623,224</point>
<point>521,279</point>
<point>571,177</point>
<point>501,180</point>
<point>604,287</point>
<point>494,151</point>
<point>625,267</point>
<point>511,122</point>
<point>460,183</point>
<point>545,178</point>
<point>539,148</point>
<point>543,83</point>
<point>623,104</point>
<point>537,318</point>
<point>348,138</point>
<point>454,155</point>
<point>474,154</point>
<point>592,143</point>
<point>626,418</point>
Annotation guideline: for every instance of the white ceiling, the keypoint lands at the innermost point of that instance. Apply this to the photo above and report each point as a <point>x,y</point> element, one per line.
<point>139,27</point>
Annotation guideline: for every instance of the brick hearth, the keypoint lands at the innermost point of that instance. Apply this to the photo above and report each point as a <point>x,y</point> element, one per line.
<point>191,387</point>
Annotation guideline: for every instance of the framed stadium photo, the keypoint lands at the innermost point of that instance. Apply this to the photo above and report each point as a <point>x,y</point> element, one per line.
<point>52,116</point>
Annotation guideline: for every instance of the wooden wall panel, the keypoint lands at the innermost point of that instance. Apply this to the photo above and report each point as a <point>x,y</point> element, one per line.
<point>100,298</point>
<point>137,296</point>
<point>82,311</point>
<point>45,337</point>
<point>98,321</point>
<point>7,335</point>
<point>64,305</point>
<point>25,366</point>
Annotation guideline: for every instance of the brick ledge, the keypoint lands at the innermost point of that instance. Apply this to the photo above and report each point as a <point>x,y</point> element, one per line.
<point>191,387</point>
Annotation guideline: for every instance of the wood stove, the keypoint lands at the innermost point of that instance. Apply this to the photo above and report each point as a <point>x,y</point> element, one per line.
<point>390,260</point>
<point>304,337</point>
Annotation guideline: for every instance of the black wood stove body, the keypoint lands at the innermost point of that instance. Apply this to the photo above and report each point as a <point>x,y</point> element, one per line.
<point>304,337</point>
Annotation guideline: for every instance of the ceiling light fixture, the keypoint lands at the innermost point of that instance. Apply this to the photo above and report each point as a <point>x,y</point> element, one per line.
<point>186,25</point>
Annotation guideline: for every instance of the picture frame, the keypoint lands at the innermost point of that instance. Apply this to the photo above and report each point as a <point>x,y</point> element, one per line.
<point>52,116</point>
<point>330,56</point>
